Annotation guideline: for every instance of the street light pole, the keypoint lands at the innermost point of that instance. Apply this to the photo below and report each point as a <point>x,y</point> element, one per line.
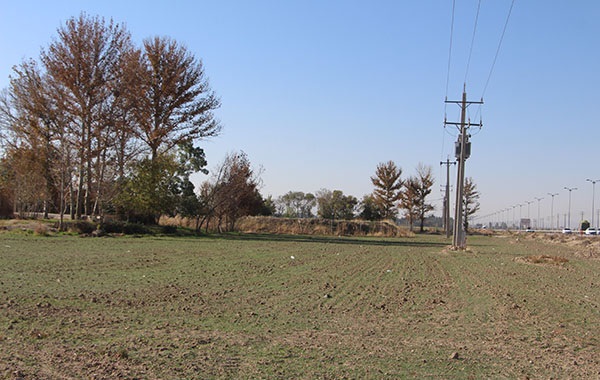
<point>538,218</point>
<point>528,209</point>
<point>552,209</point>
<point>570,190</point>
<point>520,215</point>
<point>593,196</point>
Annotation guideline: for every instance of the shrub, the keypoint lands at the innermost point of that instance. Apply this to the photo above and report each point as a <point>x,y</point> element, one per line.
<point>113,227</point>
<point>169,229</point>
<point>135,229</point>
<point>78,226</point>
<point>41,229</point>
<point>120,227</point>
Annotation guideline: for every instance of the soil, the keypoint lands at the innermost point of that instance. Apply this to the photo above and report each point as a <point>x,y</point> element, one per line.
<point>255,306</point>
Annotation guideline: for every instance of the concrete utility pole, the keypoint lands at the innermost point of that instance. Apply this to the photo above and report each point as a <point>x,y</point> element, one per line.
<point>446,216</point>
<point>462,151</point>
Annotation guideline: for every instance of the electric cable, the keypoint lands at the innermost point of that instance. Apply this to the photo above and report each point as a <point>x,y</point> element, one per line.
<point>448,77</point>
<point>498,49</point>
<point>472,41</point>
<point>450,48</point>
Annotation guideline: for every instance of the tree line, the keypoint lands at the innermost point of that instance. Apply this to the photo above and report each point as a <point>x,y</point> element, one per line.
<point>96,126</point>
<point>391,194</point>
<point>391,197</point>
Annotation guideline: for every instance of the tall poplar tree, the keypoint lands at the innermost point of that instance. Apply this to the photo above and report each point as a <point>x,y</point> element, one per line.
<point>414,196</point>
<point>170,96</point>
<point>424,179</point>
<point>388,185</point>
<point>82,66</point>
<point>470,201</point>
<point>99,115</point>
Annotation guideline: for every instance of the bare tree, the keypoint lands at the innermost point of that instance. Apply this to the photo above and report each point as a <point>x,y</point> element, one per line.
<point>414,195</point>
<point>232,193</point>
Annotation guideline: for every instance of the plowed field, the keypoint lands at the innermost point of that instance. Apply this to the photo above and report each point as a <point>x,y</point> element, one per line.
<point>257,306</point>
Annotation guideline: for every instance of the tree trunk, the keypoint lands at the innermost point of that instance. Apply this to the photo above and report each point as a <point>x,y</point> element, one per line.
<point>62,196</point>
<point>80,199</point>
<point>97,209</point>
<point>47,177</point>
<point>88,177</point>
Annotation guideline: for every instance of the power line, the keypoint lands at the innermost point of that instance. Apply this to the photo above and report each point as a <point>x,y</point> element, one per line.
<point>448,76</point>
<point>498,49</point>
<point>450,48</point>
<point>472,40</point>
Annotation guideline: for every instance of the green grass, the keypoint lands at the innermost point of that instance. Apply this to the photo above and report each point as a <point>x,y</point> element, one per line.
<point>240,306</point>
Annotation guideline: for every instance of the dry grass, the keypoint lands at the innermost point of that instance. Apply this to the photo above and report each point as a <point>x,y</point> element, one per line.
<point>41,229</point>
<point>313,226</point>
<point>584,245</point>
<point>302,226</point>
<point>19,224</point>
<point>177,221</point>
<point>545,259</point>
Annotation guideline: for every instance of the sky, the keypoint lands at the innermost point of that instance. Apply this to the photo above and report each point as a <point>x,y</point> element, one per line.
<point>318,92</point>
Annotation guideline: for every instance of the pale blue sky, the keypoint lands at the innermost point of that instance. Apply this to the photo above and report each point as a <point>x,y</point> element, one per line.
<point>319,92</point>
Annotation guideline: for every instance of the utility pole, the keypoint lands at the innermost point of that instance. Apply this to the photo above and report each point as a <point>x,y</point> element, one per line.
<point>446,216</point>
<point>462,152</point>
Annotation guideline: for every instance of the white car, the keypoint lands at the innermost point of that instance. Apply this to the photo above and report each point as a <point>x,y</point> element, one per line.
<point>566,231</point>
<point>590,231</point>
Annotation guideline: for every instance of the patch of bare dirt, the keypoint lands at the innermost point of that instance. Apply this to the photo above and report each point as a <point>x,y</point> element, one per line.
<point>581,245</point>
<point>543,259</point>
